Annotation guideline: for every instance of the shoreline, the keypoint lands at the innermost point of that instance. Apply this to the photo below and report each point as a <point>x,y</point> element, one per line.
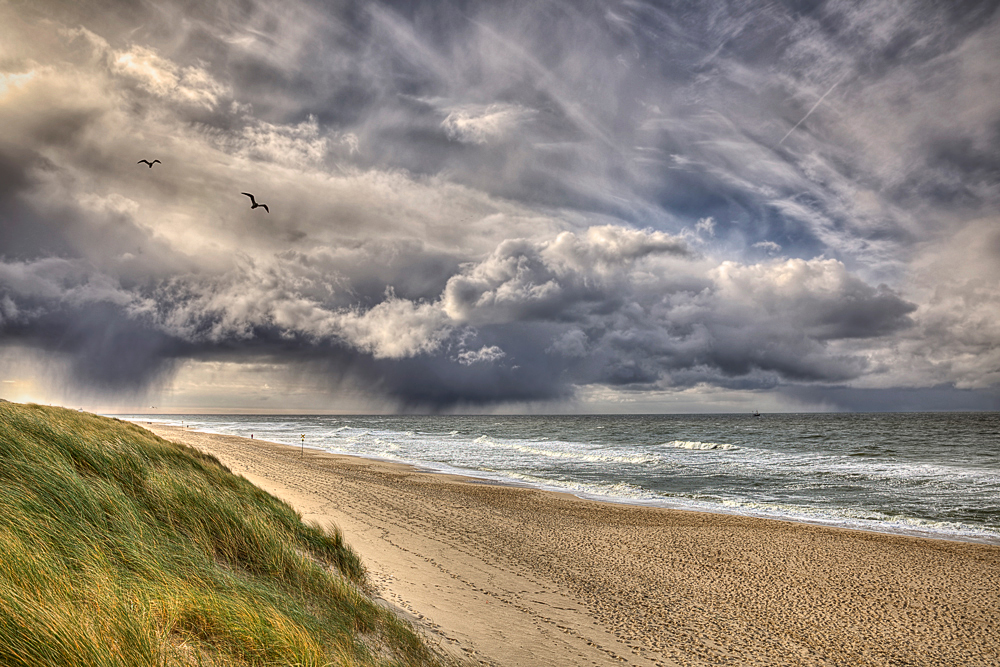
<point>990,540</point>
<point>518,576</point>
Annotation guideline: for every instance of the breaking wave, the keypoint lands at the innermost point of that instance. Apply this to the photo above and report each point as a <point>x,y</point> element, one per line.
<point>700,446</point>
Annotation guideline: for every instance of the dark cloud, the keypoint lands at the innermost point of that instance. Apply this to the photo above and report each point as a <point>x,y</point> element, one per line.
<point>897,399</point>
<point>476,203</point>
<point>22,233</point>
<point>107,350</point>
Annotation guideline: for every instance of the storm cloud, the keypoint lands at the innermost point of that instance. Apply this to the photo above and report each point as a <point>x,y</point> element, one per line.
<point>476,205</point>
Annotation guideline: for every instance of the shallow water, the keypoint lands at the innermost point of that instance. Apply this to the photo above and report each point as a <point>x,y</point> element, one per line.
<point>935,474</point>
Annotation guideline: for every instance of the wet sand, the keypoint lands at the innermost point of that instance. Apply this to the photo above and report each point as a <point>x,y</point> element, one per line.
<point>512,576</point>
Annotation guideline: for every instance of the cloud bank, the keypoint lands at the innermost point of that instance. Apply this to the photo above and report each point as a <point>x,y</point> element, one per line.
<point>477,205</point>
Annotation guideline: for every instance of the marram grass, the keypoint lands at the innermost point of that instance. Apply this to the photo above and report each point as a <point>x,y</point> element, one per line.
<point>118,548</point>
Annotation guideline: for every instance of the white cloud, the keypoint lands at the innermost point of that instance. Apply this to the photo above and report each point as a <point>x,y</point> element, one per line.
<point>484,355</point>
<point>819,298</point>
<point>611,247</point>
<point>301,145</point>
<point>540,279</point>
<point>770,247</point>
<point>13,81</point>
<point>113,203</point>
<point>395,329</point>
<point>164,78</point>
<point>484,124</point>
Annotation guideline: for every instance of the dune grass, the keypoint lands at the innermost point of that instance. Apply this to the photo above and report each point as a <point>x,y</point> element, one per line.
<point>120,548</point>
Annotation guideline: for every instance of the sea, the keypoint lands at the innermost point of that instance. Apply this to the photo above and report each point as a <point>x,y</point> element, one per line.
<point>928,474</point>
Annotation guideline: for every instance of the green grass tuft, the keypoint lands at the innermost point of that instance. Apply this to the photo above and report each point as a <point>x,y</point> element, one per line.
<point>118,548</point>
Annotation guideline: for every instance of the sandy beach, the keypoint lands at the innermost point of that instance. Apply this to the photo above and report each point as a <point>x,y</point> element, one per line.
<point>520,577</point>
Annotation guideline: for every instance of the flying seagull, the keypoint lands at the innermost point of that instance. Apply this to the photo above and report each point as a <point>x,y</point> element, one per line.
<point>149,163</point>
<point>254,202</point>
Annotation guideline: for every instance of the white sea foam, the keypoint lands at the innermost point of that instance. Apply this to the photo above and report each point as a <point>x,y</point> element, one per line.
<point>572,451</point>
<point>614,492</point>
<point>860,519</point>
<point>781,469</point>
<point>700,446</point>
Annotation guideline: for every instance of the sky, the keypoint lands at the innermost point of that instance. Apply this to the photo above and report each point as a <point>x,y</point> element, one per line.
<point>538,206</point>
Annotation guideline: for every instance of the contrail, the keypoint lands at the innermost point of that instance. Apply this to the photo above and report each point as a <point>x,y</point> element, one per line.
<point>809,113</point>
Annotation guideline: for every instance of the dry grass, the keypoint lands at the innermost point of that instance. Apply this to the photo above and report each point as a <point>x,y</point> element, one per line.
<point>120,548</point>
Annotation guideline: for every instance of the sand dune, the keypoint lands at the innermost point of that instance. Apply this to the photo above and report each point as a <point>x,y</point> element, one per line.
<point>514,576</point>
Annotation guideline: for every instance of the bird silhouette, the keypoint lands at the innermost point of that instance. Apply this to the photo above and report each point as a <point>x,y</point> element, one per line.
<point>254,202</point>
<point>149,163</point>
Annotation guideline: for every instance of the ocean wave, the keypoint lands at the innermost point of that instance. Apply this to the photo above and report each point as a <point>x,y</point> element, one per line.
<point>567,454</point>
<point>862,519</point>
<point>844,517</point>
<point>852,477</point>
<point>699,446</point>
<point>622,492</point>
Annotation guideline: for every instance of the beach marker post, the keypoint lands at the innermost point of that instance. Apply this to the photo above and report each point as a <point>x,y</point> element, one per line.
<point>303,444</point>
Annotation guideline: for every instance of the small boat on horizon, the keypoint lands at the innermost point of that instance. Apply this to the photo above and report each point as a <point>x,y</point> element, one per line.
<point>755,413</point>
